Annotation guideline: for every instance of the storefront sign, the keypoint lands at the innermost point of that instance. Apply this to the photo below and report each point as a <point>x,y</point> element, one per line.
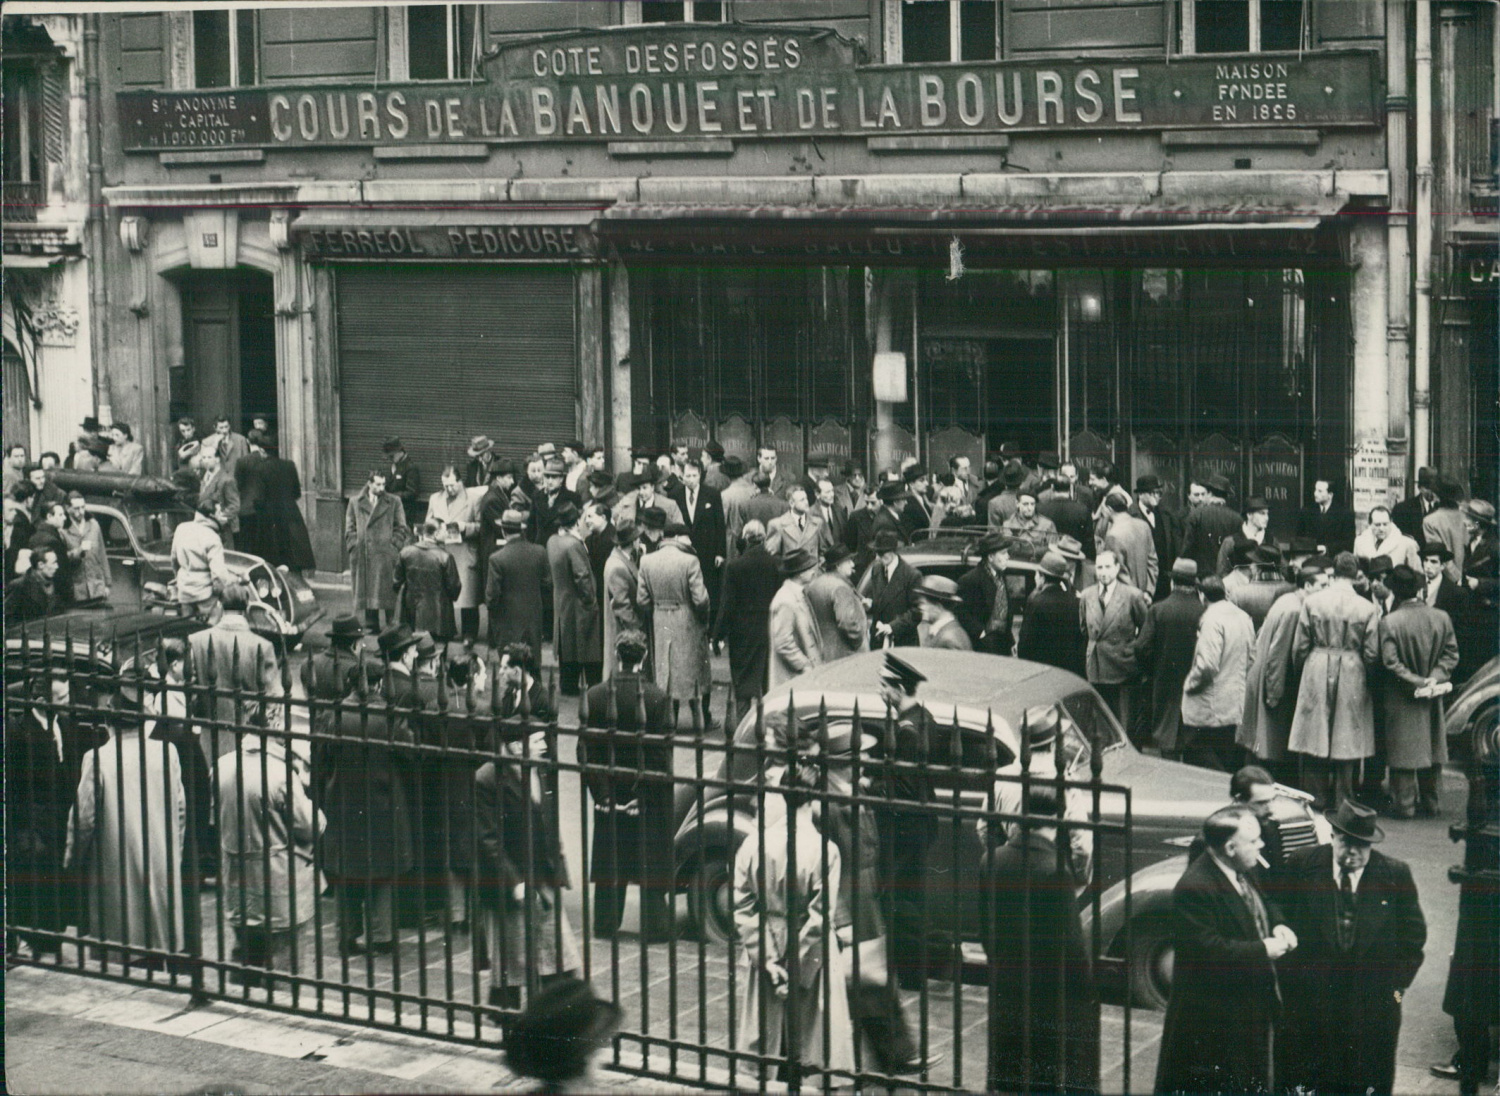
<point>427,243</point>
<point>1090,452</point>
<point>737,437</point>
<point>698,81</point>
<point>1218,454</point>
<point>1371,485</point>
<point>689,429</point>
<point>1276,476</point>
<point>830,441</point>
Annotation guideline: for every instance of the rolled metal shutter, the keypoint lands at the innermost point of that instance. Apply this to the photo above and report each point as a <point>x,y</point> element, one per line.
<point>438,354</point>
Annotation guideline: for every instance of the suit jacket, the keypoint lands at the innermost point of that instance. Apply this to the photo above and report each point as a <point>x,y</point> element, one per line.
<point>893,601</point>
<point>843,629</point>
<point>979,590</point>
<point>1222,981</point>
<point>707,525</point>
<point>783,537</point>
<point>835,519</point>
<point>1050,629</point>
<point>1343,1008</point>
<point>1112,631</point>
<point>517,580</point>
<point>221,489</point>
<point>1132,539</point>
<point>231,659</point>
<point>1333,530</point>
<point>1408,515</point>
<point>404,480</point>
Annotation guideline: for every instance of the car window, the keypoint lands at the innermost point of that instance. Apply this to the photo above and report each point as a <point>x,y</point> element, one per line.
<point>154,529</point>
<point>116,537</point>
<point>1095,720</point>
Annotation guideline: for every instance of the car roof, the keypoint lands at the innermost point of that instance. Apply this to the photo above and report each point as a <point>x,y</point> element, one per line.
<point>77,627</point>
<point>974,686</point>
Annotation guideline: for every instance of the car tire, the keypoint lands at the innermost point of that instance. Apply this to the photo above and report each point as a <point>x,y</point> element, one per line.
<point>1150,962</point>
<point>711,896</point>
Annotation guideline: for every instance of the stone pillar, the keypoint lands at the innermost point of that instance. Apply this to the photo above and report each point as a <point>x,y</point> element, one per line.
<point>1369,305</point>
<point>619,366</point>
<point>884,455</point>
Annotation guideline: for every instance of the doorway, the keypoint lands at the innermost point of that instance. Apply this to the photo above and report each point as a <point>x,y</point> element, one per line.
<point>229,350</point>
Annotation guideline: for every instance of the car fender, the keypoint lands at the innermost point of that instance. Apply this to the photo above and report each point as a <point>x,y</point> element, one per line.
<point>1150,893</point>
<point>718,829</point>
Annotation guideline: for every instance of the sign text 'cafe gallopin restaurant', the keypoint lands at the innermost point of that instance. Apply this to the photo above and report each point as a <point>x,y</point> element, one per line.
<point>640,233</point>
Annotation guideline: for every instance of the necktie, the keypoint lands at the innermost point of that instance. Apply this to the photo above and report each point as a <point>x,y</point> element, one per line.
<point>1346,911</point>
<point>1257,910</point>
<point>692,501</point>
<point>801,524</point>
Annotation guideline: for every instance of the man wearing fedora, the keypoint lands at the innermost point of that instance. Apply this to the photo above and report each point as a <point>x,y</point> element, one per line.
<point>986,610</point>
<point>1206,527</point>
<point>577,634</point>
<point>1166,529</point>
<point>1481,551</point>
<point>403,479</point>
<point>887,516</point>
<point>1164,651</point>
<point>1113,613</point>
<point>889,589</point>
<point>1051,629</point>
<point>1360,934</point>
<point>1251,534</point>
<point>794,632</point>
<point>1213,694</point>
<point>838,613</point>
<point>1419,651</point>
<point>553,497</point>
<point>482,457</point>
<point>1002,504</point>
<point>1409,513</point>
<point>734,496</point>
<point>517,585</point>
<point>1445,522</point>
<point>937,599</point>
<point>671,591</point>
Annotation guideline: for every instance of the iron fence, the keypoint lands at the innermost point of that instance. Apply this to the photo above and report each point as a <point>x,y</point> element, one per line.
<point>872,898</point>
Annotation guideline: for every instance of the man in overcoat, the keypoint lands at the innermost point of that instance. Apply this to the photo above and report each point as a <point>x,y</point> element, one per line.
<point>1445,523</point>
<point>986,610</point>
<point>1207,525</point>
<point>621,613</point>
<point>1272,685</point>
<point>404,479</point>
<point>518,581</point>
<point>889,587</point>
<point>283,533</point>
<point>794,632</point>
<point>427,578</point>
<point>670,588</point>
<point>375,531</point>
<point>1335,646</point>
<point>1051,631</point>
<point>703,513</point>
<point>751,580</point>
<point>1164,651</point>
<point>1409,513</point>
<point>577,635</point>
<point>633,819</point>
<point>1213,694</point>
<point>937,600</point>
<point>1419,652</point>
<point>1166,529</point>
<point>454,512</point>
<point>1133,543</point>
<point>1226,1001</point>
<point>838,613</point>
<point>1360,934</point>
<point>797,528</point>
<point>1112,612</point>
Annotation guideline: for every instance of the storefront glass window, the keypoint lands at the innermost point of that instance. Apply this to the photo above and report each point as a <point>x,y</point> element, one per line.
<point>948,30</point>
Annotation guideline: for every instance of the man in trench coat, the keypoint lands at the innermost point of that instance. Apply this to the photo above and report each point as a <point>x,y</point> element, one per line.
<point>794,633</point>
<point>1360,934</point>
<point>621,613</point>
<point>1419,651</point>
<point>671,589</point>
<point>751,580</point>
<point>374,533</point>
<point>1271,686</point>
<point>1164,650</point>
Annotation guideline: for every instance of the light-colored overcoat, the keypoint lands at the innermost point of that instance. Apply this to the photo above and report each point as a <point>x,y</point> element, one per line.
<point>1335,645</point>
<point>1214,693</point>
<point>795,648</point>
<point>1271,684</point>
<point>670,587</point>
<point>374,534</point>
<point>1417,642</point>
<point>620,612</point>
<point>1130,538</point>
<point>280,825</point>
<point>839,615</point>
<point>462,511</point>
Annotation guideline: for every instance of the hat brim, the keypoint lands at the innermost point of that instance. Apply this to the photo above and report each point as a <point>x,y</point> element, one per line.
<point>1376,839</point>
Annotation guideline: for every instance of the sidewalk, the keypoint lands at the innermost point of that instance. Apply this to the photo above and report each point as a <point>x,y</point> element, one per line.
<point>68,1034</point>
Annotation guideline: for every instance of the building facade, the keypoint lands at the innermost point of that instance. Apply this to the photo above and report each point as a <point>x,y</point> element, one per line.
<point>1171,234</point>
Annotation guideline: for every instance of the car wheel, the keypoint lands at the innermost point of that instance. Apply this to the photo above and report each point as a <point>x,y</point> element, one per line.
<point>1150,962</point>
<point>711,897</point>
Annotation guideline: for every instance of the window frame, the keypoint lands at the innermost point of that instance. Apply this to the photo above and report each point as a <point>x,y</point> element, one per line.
<point>631,14</point>
<point>453,13</point>
<point>1187,26</point>
<point>955,32</point>
<point>232,19</point>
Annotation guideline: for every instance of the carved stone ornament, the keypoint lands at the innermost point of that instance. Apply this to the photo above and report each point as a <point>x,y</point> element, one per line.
<point>57,323</point>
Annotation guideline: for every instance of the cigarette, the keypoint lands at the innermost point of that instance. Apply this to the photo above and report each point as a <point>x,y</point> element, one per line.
<point>1261,860</point>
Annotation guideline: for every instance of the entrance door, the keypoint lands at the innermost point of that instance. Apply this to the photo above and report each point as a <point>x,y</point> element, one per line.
<point>1021,393</point>
<point>229,350</point>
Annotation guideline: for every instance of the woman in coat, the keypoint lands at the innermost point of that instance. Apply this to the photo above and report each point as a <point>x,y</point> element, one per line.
<point>795,999</point>
<point>670,587</point>
<point>126,839</point>
<point>455,511</point>
<point>1213,695</point>
<point>374,534</point>
<point>284,539</point>
<point>1418,649</point>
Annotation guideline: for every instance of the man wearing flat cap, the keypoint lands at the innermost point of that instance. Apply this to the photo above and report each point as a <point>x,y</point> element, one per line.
<point>553,497</point>
<point>671,592</point>
<point>794,633</point>
<point>986,610</point>
<point>838,613</point>
<point>1206,527</point>
<point>937,600</point>
<point>1360,934</point>
<point>1419,651</point>
<point>517,585</point>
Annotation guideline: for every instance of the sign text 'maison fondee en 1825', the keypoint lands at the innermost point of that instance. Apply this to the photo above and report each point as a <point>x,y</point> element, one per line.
<point>663,83</point>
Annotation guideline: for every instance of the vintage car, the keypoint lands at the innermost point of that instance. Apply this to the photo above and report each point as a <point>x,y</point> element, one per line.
<point>103,654</point>
<point>985,696</point>
<point>138,515</point>
<point>1476,709</point>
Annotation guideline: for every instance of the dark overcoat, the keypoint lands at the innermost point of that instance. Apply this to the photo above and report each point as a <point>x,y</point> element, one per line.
<point>1166,533</point>
<point>893,601</point>
<point>1225,998</point>
<point>283,533</point>
<point>1165,650</point>
<point>577,632</point>
<point>375,531</point>
<point>404,480</point>
<point>444,807</point>
<point>1203,535</point>
<point>518,579</point>
<point>1051,630</point>
<point>629,846</point>
<point>1034,941</point>
<point>1416,643</point>
<point>40,787</point>
<point>249,483</point>
<point>368,835</point>
<point>544,511</point>
<point>427,578</point>
<point>978,589</point>
<point>1343,1008</point>
<point>750,582</point>
<point>505,816</point>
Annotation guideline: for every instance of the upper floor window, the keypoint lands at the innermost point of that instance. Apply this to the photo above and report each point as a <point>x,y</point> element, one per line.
<point>1243,26</point>
<point>23,150</point>
<point>948,30</point>
<point>682,11</point>
<point>225,49</point>
<point>444,41</point>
